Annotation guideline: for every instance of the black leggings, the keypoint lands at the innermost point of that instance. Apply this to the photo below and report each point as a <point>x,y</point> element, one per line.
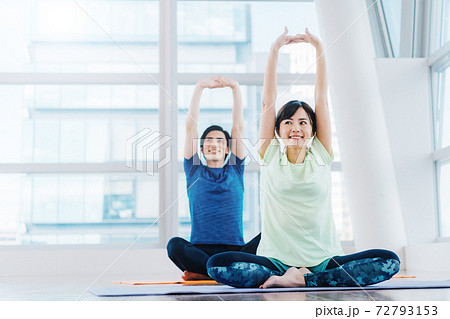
<point>193,258</point>
<point>360,269</point>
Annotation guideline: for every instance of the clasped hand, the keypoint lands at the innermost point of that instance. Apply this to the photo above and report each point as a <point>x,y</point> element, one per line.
<point>286,39</point>
<point>217,82</point>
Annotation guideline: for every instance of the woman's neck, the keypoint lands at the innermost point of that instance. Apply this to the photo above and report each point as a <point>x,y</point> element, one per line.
<point>295,154</point>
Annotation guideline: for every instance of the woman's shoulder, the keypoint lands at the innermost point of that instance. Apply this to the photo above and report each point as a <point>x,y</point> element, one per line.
<point>318,149</point>
<point>271,150</point>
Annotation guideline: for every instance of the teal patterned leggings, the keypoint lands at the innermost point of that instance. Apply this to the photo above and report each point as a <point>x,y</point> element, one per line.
<point>369,267</point>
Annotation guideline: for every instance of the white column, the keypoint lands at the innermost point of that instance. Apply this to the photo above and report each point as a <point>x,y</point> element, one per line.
<point>360,121</point>
<point>168,174</point>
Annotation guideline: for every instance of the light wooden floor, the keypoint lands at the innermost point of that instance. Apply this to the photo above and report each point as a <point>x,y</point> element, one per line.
<point>72,288</point>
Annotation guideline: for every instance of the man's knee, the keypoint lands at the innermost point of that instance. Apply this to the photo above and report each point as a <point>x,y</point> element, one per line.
<point>175,246</point>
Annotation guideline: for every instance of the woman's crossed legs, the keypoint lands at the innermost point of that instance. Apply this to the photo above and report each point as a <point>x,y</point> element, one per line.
<point>239,269</point>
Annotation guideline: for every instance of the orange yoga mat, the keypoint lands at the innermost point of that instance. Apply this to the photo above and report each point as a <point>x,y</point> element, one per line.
<point>184,283</point>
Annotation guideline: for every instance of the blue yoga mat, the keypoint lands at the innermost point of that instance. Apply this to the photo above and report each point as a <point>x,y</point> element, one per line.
<point>222,289</point>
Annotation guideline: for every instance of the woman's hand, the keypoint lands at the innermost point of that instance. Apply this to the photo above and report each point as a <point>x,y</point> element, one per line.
<point>308,37</point>
<point>286,39</point>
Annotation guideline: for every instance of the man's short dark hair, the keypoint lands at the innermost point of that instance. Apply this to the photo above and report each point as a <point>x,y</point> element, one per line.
<point>215,128</point>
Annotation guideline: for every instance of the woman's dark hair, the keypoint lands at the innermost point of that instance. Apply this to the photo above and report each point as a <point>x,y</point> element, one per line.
<point>289,109</point>
<point>215,128</point>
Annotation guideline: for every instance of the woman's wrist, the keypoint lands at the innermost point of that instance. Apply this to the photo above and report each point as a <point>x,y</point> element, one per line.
<point>234,85</point>
<point>200,85</point>
<point>318,46</point>
<point>275,48</point>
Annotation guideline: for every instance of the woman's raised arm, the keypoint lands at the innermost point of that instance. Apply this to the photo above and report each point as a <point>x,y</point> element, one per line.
<point>268,116</point>
<point>321,93</point>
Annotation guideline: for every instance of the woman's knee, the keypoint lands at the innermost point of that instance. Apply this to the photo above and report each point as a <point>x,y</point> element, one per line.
<point>219,260</point>
<point>391,255</point>
<point>380,253</point>
<point>385,254</point>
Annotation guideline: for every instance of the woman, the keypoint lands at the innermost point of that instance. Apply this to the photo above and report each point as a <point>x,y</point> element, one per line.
<point>215,190</point>
<point>298,230</point>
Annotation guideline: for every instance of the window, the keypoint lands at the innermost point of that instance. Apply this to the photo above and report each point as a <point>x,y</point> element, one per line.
<point>440,25</point>
<point>441,105</point>
<point>235,37</point>
<point>392,10</point>
<point>439,62</point>
<point>79,36</point>
<point>442,108</point>
<point>77,126</point>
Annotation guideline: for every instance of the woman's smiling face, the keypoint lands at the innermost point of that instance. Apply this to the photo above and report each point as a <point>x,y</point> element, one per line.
<point>294,131</point>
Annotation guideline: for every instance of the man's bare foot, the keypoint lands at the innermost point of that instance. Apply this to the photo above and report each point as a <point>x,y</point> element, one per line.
<point>187,275</point>
<point>293,277</point>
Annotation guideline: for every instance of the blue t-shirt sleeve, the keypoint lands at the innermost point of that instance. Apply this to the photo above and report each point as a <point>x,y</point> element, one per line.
<point>191,165</point>
<point>237,163</point>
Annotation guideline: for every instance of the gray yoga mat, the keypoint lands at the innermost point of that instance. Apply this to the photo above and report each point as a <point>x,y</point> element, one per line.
<point>219,289</point>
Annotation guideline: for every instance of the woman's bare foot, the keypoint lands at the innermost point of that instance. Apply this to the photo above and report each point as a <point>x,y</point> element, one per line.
<point>293,277</point>
<point>187,275</point>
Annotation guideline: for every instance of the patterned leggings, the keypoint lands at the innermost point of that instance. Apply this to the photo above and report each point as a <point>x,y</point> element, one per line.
<point>368,267</point>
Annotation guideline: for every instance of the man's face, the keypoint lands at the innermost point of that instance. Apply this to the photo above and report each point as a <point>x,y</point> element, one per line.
<point>215,146</point>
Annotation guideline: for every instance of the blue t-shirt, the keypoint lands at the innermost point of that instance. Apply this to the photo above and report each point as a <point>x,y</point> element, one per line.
<point>215,201</point>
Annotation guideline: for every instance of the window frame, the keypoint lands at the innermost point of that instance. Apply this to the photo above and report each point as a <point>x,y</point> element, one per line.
<point>438,63</point>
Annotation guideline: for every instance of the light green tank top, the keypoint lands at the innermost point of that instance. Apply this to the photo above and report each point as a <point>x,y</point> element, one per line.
<point>297,221</point>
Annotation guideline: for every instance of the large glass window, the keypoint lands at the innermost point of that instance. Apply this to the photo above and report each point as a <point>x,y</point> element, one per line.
<point>43,124</point>
<point>439,52</point>
<point>445,33</point>
<point>440,25</point>
<point>74,123</point>
<point>228,36</point>
<point>392,10</point>
<point>78,208</point>
<point>79,36</point>
<point>442,107</point>
<point>10,201</point>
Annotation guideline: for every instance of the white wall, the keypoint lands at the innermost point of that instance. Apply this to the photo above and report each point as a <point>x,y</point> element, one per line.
<point>429,257</point>
<point>405,93</point>
<point>138,263</point>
